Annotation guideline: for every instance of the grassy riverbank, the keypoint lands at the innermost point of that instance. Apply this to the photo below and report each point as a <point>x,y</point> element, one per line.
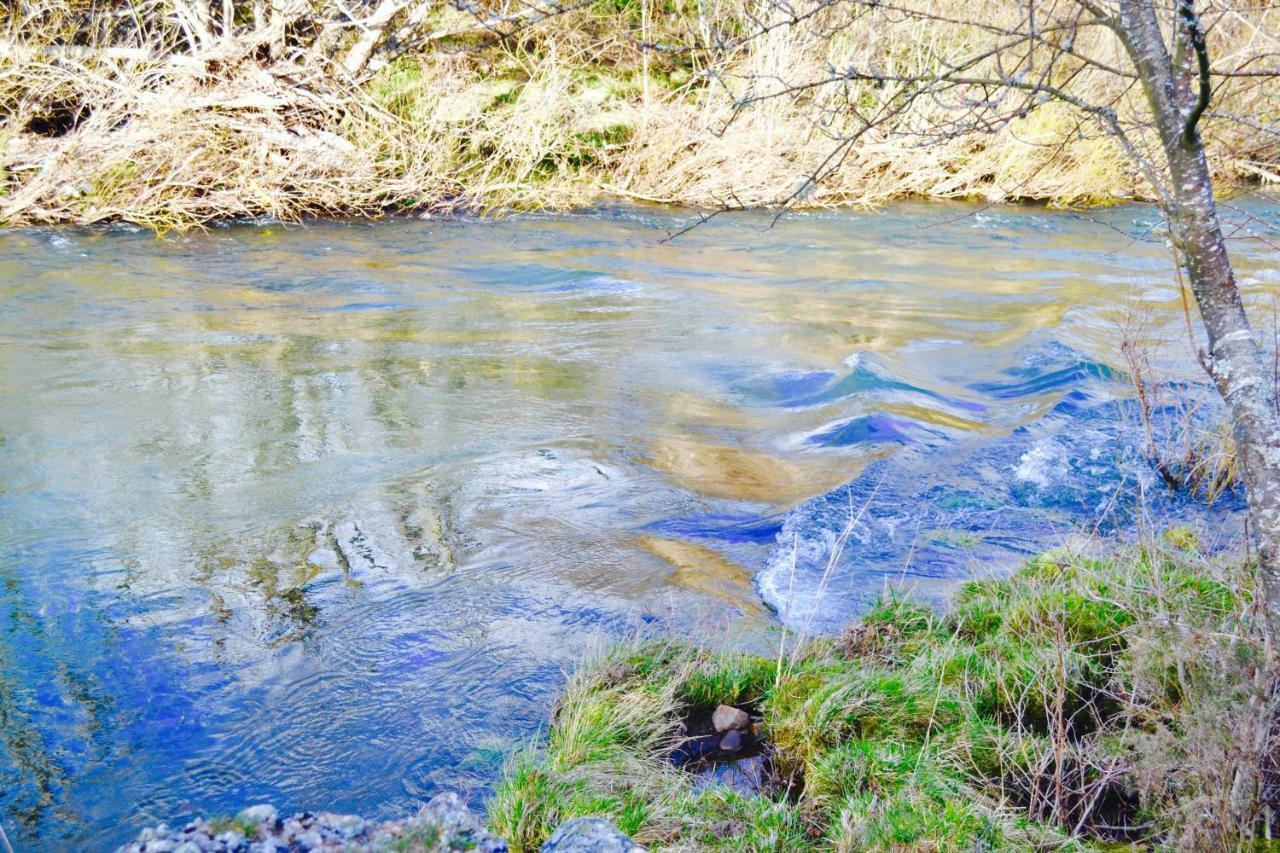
<point>1085,701</point>
<point>169,119</point>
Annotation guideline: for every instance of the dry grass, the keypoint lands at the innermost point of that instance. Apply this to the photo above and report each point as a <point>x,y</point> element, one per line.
<point>147,117</point>
<point>1189,442</point>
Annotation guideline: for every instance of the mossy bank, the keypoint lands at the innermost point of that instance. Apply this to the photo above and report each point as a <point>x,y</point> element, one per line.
<point>1083,703</point>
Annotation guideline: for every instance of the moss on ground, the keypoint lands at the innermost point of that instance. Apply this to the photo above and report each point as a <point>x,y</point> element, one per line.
<point>1082,703</point>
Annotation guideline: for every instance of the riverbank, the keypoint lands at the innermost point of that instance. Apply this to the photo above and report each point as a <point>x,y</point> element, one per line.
<point>170,121</point>
<point>1093,698</point>
<point>1088,700</point>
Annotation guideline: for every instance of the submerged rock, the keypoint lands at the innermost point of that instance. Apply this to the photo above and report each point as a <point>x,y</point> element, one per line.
<point>732,741</point>
<point>589,835</point>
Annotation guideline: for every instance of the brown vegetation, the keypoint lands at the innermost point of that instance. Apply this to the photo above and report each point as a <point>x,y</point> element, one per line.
<point>174,112</point>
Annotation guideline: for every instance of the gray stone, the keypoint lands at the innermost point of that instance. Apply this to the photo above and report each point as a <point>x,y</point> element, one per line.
<point>458,827</point>
<point>188,847</point>
<point>589,835</point>
<point>270,844</point>
<point>616,673</point>
<point>727,717</point>
<point>732,741</point>
<point>259,814</point>
<point>309,840</point>
<point>348,826</point>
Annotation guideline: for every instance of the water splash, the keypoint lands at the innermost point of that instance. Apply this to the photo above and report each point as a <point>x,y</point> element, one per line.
<point>978,506</point>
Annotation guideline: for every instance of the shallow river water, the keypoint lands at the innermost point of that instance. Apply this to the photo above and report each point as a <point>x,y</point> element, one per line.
<point>319,516</point>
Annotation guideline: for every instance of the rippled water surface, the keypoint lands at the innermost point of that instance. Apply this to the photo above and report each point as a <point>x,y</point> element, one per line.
<point>319,516</point>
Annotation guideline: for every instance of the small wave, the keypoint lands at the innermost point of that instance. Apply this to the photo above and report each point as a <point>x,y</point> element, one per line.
<point>866,378</point>
<point>975,506</point>
<point>876,429</point>
<point>722,528</point>
<point>1048,369</point>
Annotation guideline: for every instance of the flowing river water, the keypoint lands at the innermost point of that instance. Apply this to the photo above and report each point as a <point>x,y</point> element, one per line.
<point>320,515</point>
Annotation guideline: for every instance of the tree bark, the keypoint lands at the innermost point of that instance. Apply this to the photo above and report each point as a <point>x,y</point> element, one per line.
<point>1234,359</point>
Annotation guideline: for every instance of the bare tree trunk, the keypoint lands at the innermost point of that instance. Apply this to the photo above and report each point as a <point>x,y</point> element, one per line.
<point>1234,359</point>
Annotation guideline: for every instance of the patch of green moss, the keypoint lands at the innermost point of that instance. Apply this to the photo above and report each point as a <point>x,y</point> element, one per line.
<point>223,823</point>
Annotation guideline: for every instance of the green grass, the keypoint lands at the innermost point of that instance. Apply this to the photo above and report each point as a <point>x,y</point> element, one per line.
<point>220,824</point>
<point>1036,712</point>
<point>423,840</point>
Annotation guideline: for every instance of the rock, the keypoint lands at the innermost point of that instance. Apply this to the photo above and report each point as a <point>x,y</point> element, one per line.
<point>458,827</point>
<point>188,847</point>
<point>589,835</point>
<point>348,826</point>
<point>616,673</point>
<point>229,840</point>
<point>309,840</point>
<point>732,741</point>
<point>259,814</point>
<point>727,717</point>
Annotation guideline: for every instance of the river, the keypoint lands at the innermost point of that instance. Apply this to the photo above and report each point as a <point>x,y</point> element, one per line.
<point>320,515</point>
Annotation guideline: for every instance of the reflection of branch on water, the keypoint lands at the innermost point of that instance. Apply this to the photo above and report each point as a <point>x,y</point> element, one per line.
<point>29,758</point>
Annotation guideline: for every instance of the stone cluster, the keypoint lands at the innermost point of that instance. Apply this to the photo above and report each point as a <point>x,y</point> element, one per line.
<point>730,733</point>
<point>443,824</point>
